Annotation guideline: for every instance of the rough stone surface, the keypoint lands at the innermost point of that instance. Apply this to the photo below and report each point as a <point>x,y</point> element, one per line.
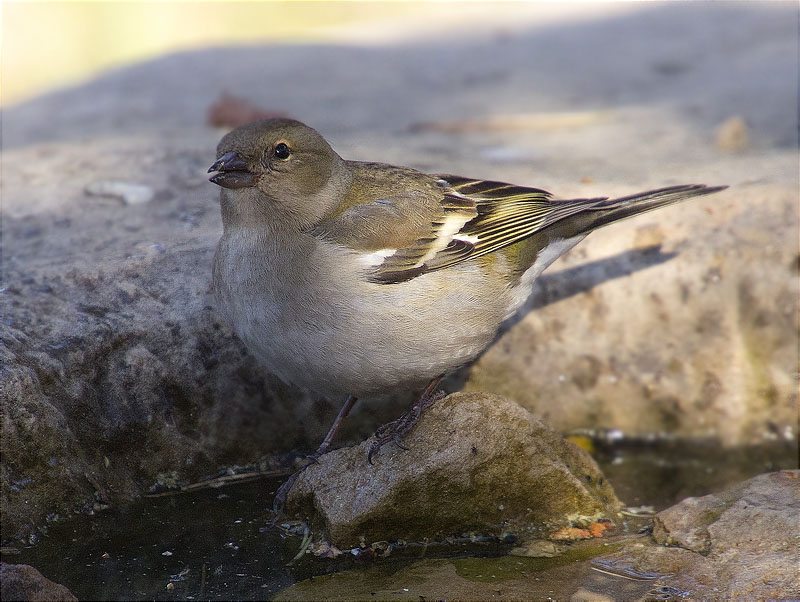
<point>115,374</point>
<point>701,345</point>
<point>475,463</point>
<point>740,544</point>
<point>111,345</point>
<point>753,533</point>
<point>24,583</point>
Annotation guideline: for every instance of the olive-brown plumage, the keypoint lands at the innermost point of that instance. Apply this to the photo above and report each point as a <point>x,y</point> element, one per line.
<point>350,278</point>
<point>357,278</point>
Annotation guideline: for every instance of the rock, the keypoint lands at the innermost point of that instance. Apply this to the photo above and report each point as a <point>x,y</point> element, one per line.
<point>740,544</point>
<point>538,548</point>
<point>688,523</point>
<point>130,194</point>
<point>111,345</point>
<point>23,582</point>
<point>587,595</point>
<point>475,464</point>
<point>765,504</point>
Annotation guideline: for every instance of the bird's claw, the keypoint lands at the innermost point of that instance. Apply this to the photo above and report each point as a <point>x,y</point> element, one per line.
<point>396,430</point>
<point>279,503</point>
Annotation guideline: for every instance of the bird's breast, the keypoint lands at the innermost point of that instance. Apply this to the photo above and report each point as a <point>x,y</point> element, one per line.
<point>311,316</point>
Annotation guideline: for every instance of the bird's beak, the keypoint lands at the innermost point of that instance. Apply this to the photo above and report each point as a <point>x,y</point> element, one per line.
<point>232,172</point>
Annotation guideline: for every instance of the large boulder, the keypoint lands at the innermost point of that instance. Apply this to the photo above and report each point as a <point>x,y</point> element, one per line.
<point>701,345</point>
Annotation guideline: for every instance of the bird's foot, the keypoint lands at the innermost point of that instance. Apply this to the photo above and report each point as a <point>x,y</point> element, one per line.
<point>396,430</point>
<point>279,503</point>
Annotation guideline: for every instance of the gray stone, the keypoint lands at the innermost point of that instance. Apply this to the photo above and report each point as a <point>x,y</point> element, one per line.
<point>701,345</point>
<point>688,523</point>
<point>475,463</point>
<point>115,373</point>
<point>127,192</point>
<point>22,582</point>
<point>739,544</point>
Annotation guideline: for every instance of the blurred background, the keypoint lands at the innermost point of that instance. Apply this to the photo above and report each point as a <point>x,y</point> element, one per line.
<point>53,44</point>
<point>562,72</point>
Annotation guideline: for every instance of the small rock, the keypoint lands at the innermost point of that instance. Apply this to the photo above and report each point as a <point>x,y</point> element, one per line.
<point>738,544</point>
<point>538,548</point>
<point>130,194</point>
<point>686,524</point>
<point>323,549</point>
<point>649,235</point>
<point>751,510</point>
<point>586,595</point>
<point>23,582</point>
<point>733,135</point>
<point>525,479</point>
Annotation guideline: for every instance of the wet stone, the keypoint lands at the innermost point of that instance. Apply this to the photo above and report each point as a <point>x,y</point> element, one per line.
<point>24,582</point>
<point>740,543</point>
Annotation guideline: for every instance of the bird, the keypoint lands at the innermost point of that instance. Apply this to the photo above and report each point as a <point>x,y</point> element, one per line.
<point>351,278</point>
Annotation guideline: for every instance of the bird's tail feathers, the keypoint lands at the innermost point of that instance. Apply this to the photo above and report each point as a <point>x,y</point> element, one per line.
<point>613,210</point>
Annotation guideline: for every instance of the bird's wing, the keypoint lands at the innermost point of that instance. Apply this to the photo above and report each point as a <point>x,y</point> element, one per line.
<point>477,217</point>
<point>386,209</point>
<point>416,224</point>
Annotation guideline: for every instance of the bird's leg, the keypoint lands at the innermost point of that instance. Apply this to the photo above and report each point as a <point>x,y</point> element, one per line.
<point>337,424</point>
<point>283,491</point>
<point>397,429</point>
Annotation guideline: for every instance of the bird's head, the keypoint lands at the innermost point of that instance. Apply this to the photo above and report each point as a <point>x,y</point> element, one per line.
<point>278,170</point>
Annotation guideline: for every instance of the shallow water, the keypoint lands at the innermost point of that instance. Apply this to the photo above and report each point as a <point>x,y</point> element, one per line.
<point>211,544</point>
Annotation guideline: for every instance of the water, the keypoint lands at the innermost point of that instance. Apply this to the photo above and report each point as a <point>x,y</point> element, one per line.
<point>207,544</point>
<point>210,544</point>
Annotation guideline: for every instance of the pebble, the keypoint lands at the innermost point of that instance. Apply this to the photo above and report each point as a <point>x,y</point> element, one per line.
<point>128,193</point>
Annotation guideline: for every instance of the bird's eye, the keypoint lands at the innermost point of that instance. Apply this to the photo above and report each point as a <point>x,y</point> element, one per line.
<point>282,150</point>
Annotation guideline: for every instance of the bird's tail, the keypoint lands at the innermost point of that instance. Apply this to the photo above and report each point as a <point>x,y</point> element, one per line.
<point>613,210</point>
